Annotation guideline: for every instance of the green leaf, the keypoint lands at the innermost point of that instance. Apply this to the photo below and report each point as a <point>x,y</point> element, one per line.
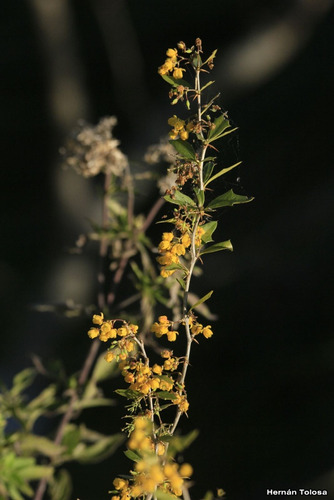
<point>163,495</point>
<point>175,82</point>
<point>209,496</point>
<point>61,486</point>
<point>200,196</point>
<point>207,171</point>
<point>23,380</point>
<point>184,149</point>
<point>100,450</point>
<point>180,199</point>
<point>128,393</point>
<point>221,172</point>
<point>36,472</point>
<point>179,443</point>
<point>220,124</point>
<point>228,199</point>
<point>103,371</point>
<point>166,379</point>
<point>209,229</point>
<point>166,395</point>
<point>217,247</point>
<point>203,299</point>
<point>32,444</point>
<point>132,455</point>
<point>93,403</point>
<point>181,282</point>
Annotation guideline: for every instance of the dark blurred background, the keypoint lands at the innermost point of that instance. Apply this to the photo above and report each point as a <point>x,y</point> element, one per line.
<point>261,388</point>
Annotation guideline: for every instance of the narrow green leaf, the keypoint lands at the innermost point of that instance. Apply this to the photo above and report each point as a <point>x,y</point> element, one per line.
<point>175,82</point>
<point>132,455</point>
<point>181,282</point>
<point>32,444</point>
<point>200,196</point>
<point>22,380</point>
<point>36,472</point>
<point>207,84</point>
<point>93,403</point>
<point>217,247</point>
<point>203,299</point>
<point>220,124</point>
<point>207,171</point>
<point>61,486</point>
<point>228,199</point>
<point>184,149</point>
<point>224,133</point>
<point>221,172</point>
<point>166,395</point>
<point>209,229</point>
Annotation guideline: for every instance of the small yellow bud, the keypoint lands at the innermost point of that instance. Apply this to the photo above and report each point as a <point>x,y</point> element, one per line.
<point>171,53</point>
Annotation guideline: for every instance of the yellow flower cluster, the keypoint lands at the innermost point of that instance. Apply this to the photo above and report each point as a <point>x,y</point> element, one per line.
<point>197,328</point>
<point>106,330</point>
<point>171,249</point>
<point>162,327</point>
<point>180,129</point>
<point>140,377</point>
<point>170,64</point>
<point>152,471</point>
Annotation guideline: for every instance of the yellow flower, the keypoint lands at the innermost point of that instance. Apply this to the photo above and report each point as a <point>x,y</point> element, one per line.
<point>176,123</point>
<point>122,331</point>
<point>165,273</point>
<point>172,336</point>
<point>166,353</point>
<point>186,240</point>
<point>157,369</point>
<point>184,405</point>
<point>98,319</point>
<point>177,73</point>
<point>207,332</point>
<point>186,470</point>
<point>169,64</point>
<point>120,483</point>
<point>93,333</point>
<point>171,53</point>
<point>154,383</point>
<point>196,328</point>
<point>133,328</point>
<point>161,448</point>
<point>178,249</point>
<point>109,356</point>
<point>184,135</point>
<point>163,246</point>
<point>173,134</point>
<point>167,236</point>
